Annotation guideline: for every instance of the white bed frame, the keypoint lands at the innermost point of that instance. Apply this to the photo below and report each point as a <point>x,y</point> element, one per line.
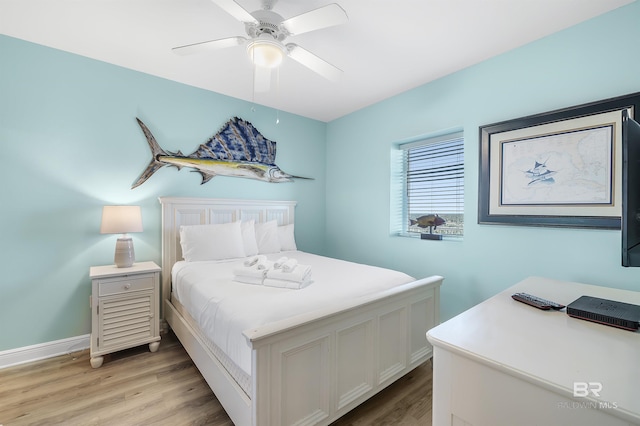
<point>312,368</point>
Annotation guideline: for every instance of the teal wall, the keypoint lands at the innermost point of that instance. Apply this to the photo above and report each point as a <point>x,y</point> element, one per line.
<point>588,62</point>
<point>70,144</point>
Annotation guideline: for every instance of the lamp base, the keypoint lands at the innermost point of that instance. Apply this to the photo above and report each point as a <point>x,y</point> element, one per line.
<point>125,255</point>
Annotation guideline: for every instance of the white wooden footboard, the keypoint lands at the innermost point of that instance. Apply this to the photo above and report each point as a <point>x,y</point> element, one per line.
<point>314,368</point>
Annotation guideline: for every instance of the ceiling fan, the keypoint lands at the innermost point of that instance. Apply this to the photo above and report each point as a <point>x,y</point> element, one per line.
<point>267,30</point>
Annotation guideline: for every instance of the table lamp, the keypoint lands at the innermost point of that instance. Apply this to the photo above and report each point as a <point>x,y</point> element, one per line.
<point>121,220</point>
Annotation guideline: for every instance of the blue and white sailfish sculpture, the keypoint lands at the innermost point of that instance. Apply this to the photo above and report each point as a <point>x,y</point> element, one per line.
<point>238,150</point>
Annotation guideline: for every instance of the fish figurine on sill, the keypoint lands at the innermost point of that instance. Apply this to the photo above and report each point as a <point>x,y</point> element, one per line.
<point>238,150</point>
<point>431,221</point>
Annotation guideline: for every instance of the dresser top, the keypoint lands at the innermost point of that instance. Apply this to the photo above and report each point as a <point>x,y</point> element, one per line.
<point>549,348</point>
<point>112,270</point>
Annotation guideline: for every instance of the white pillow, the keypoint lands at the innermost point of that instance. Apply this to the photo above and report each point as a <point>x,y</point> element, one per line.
<point>287,238</point>
<point>211,242</point>
<point>267,237</point>
<point>249,237</point>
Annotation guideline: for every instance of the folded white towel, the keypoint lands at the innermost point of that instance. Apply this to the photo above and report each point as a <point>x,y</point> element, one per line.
<point>289,265</point>
<point>264,265</point>
<point>254,259</point>
<point>299,274</point>
<point>269,282</point>
<point>278,263</point>
<point>249,280</point>
<point>252,271</point>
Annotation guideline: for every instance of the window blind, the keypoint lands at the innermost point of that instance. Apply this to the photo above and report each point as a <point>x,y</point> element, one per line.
<point>434,182</point>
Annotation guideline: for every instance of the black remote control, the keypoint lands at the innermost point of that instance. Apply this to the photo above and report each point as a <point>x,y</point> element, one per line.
<point>536,301</point>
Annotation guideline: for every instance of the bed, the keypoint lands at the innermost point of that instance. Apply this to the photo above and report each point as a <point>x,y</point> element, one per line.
<point>317,362</point>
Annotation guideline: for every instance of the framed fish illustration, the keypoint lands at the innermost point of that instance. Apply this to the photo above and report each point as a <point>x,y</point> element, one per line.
<point>237,150</point>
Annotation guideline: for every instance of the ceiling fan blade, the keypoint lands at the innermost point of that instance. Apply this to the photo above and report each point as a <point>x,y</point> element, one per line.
<point>235,10</point>
<point>323,17</point>
<point>210,45</point>
<point>313,62</point>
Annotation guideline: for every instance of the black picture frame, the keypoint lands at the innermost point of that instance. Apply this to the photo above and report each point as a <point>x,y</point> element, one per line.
<point>492,210</point>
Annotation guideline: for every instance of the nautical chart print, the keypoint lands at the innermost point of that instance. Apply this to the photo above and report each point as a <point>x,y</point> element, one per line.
<point>569,168</point>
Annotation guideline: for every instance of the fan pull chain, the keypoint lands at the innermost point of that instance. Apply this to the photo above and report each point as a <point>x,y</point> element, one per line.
<point>253,84</point>
<point>278,95</point>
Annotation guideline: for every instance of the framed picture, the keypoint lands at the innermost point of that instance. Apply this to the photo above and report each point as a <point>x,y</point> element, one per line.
<point>561,168</point>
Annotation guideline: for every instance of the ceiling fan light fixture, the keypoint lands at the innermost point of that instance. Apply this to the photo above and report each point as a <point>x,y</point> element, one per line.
<point>265,53</point>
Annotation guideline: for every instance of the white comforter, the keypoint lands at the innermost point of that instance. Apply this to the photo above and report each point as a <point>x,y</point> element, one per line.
<point>224,308</point>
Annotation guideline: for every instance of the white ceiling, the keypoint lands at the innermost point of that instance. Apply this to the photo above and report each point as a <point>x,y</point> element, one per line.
<point>387,47</point>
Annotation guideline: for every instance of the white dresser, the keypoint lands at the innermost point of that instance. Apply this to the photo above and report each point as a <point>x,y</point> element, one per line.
<point>505,363</point>
<point>124,308</point>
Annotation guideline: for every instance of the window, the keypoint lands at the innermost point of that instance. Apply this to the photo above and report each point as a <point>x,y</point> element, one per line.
<point>433,186</point>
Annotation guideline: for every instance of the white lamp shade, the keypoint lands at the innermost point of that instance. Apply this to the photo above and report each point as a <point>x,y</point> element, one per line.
<point>121,219</point>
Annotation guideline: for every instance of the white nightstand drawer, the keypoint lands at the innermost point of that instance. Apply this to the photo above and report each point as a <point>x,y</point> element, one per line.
<point>124,285</point>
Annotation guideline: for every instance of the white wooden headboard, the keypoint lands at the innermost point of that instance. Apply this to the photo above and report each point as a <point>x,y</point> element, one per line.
<point>202,211</point>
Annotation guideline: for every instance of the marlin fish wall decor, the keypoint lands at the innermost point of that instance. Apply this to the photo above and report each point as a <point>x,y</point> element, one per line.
<point>238,149</point>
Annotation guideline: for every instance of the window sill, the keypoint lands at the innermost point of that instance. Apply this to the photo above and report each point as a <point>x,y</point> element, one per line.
<point>417,236</point>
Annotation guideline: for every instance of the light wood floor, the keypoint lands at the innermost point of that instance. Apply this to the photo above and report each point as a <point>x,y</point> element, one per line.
<point>137,387</point>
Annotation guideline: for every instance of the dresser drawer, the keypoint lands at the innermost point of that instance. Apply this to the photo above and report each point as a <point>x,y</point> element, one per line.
<point>125,284</point>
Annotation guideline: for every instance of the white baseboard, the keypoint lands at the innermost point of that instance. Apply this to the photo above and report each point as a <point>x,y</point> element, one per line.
<point>40,351</point>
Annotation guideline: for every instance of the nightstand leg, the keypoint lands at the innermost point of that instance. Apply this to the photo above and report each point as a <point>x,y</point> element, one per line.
<point>153,346</point>
<point>97,362</point>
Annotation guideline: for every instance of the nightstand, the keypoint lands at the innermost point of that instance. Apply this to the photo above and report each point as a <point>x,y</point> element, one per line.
<point>124,308</point>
